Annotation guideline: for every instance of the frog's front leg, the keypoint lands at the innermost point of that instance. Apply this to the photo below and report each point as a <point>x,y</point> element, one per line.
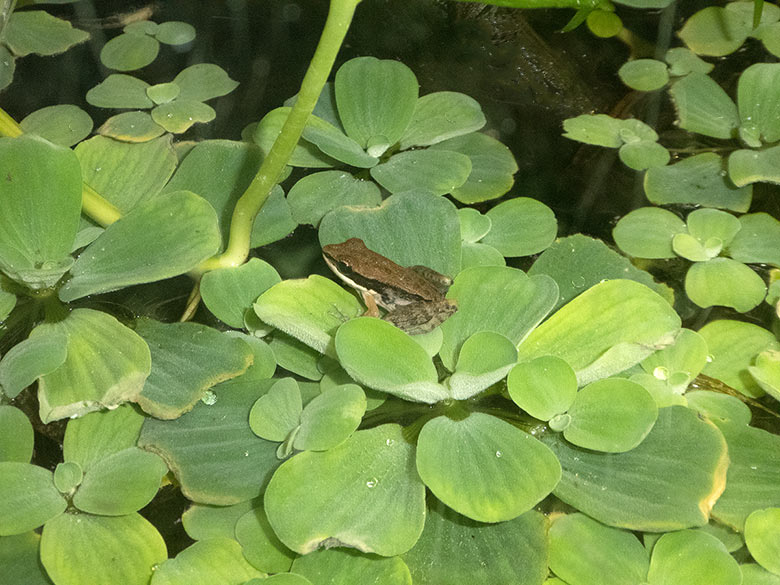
<point>371,307</point>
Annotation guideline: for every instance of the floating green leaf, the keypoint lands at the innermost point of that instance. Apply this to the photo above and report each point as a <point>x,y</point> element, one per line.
<point>543,387</point>
<point>131,127</point>
<point>578,262</point>
<point>261,547</point>
<point>605,330</point>
<point>121,483</point>
<point>229,292</point>
<point>613,415</point>
<point>120,91</point>
<point>484,359</point>
<point>383,357</point>
<point>39,32</point>
<point>146,245</point>
<point>27,361</point>
<point>41,202</point>
<point>669,482</point>
<point>726,282</point>
<point>499,299</point>
<point>179,115</point>
<point>520,227</point>
<point>683,61</point>
<point>187,360</point>
<point>696,180</point>
<point>203,81</point>
<point>485,468</point>
<point>433,170</point>
<point>733,345</point>
<point>346,566</point>
<point>376,100</point>
<point>382,500</point>
<point>644,74</point>
<point>694,557</point>
<point>126,174</point>
<point>16,435</point>
<point>29,497</point>
<point>330,418</point>
<point>478,552</point>
<point>584,552</point>
<point>492,167</point>
<point>442,115</point>
<point>64,124</point>
<point>473,225</point>
<point>704,107</point>
<point>295,356</point>
<point>757,241</point>
<point>215,464</point>
<point>752,166</point>
<point>333,142</point>
<point>204,522</point>
<point>128,52</point>
<point>108,549</point>
<point>326,304</point>
<point>318,193</point>
<point>19,559</point>
<point>68,476</point>
<point>206,562</point>
<point>753,480</point>
<point>277,413</point>
<point>174,33</point>
<point>597,129</point>
<point>715,31</point>
<point>7,67</point>
<point>106,365</point>
<point>647,232</point>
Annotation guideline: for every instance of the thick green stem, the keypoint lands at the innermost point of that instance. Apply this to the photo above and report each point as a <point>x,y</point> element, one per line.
<point>248,206</point>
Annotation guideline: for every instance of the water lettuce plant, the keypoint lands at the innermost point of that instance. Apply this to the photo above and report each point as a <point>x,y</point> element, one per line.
<point>575,422</point>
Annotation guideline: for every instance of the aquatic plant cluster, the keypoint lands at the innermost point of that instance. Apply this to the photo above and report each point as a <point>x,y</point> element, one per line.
<point>556,425</point>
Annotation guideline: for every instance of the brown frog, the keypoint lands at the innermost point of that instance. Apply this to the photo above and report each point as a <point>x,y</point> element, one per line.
<point>413,296</point>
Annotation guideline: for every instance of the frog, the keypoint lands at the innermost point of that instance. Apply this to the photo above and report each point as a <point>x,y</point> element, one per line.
<point>414,296</point>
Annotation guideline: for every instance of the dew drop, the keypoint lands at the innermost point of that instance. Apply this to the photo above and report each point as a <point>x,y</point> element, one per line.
<point>390,442</point>
<point>499,454</point>
<point>372,483</point>
<point>209,398</point>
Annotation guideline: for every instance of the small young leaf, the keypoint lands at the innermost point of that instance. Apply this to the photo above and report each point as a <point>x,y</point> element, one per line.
<point>120,91</point>
<point>330,418</point>
<point>613,415</point>
<point>129,52</point>
<point>179,115</point>
<point>131,127</point>
<point>647,232</point>
<point>544,387</point>
<point>29,360</point>
<point>174,33</point>
<point>644,74</point>
<point>277,413</point>
<point>203,81</point>
<point>751,166</point>
<point>715,31</point>
<point>484,359</point>
<point>693,557</point>
<point>597,129</point>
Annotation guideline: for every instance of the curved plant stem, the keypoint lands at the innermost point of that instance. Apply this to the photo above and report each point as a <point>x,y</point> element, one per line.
<point>248,206</point>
